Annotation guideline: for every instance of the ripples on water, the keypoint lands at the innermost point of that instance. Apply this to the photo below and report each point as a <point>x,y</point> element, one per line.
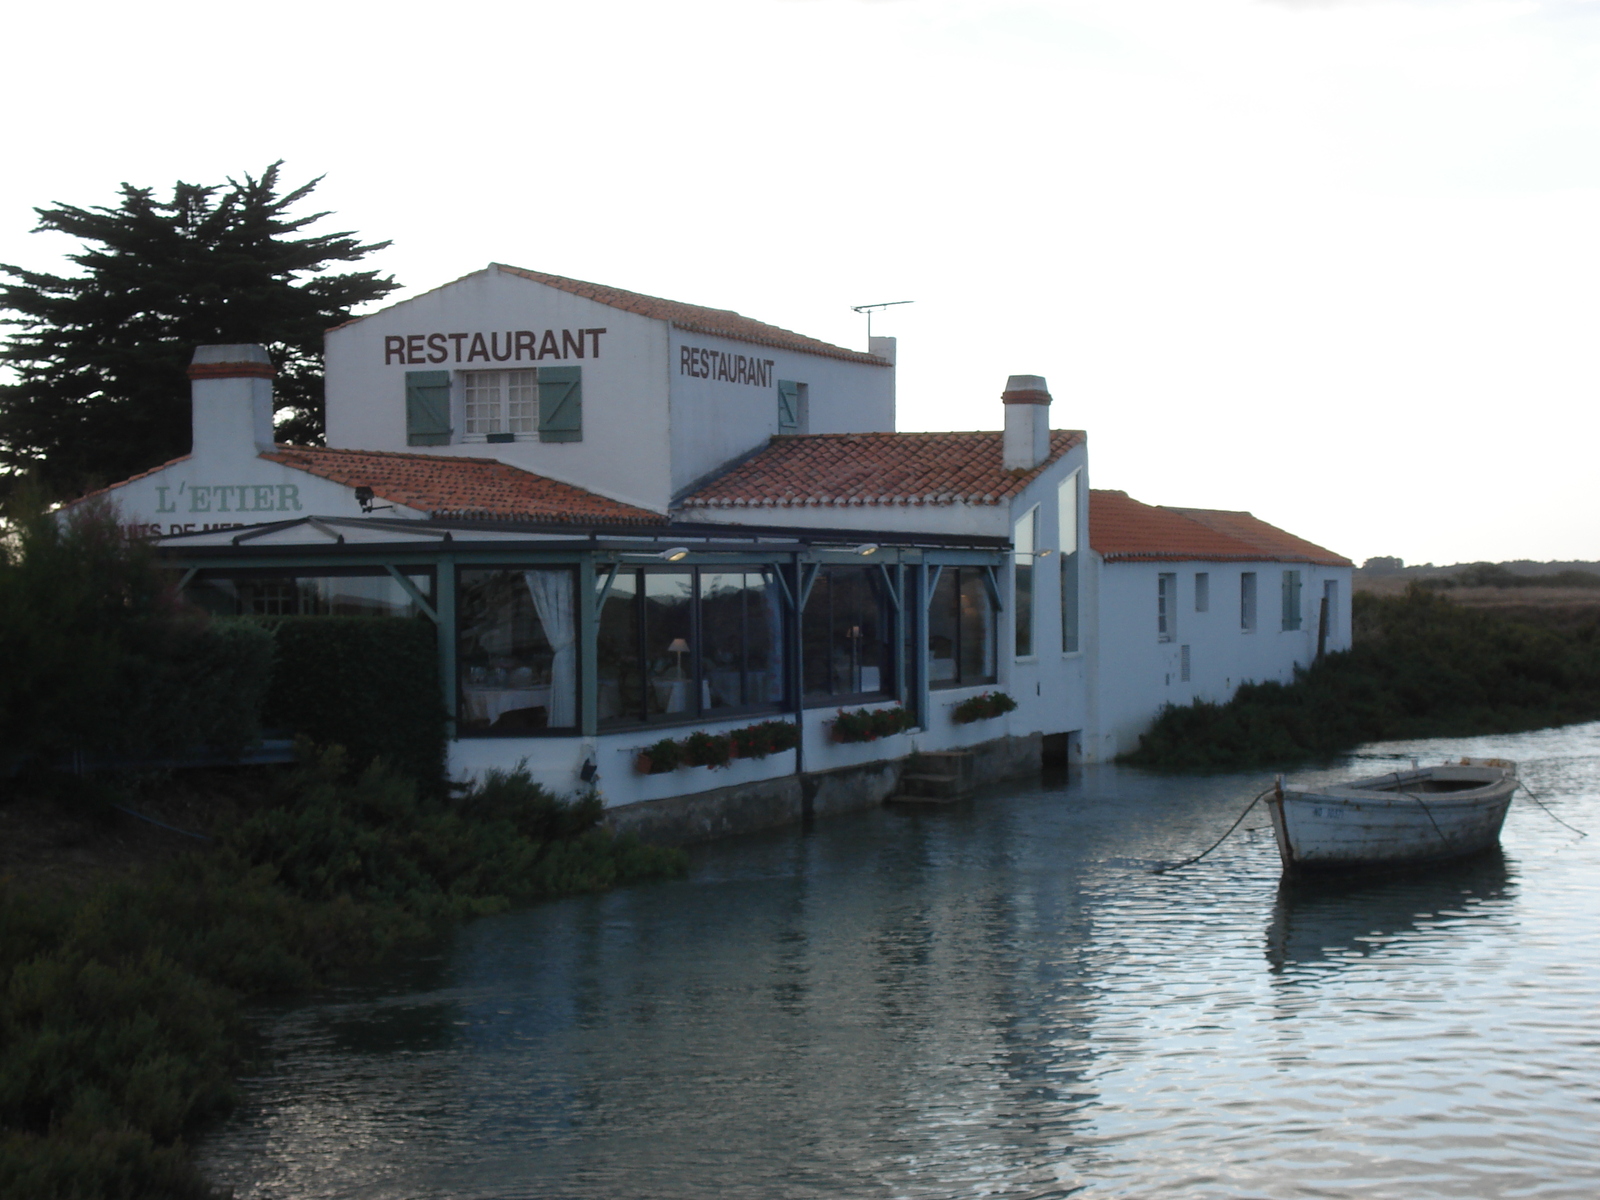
<point>994,1000</point>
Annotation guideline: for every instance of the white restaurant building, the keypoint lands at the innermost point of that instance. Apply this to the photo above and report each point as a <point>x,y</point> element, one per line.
<point>632,518</point>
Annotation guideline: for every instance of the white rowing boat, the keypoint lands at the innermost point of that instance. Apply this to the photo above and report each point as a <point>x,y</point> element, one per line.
<point>1423,815</point>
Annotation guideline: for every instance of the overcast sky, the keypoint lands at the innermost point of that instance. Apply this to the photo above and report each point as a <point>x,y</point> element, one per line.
<point>1332,262</point>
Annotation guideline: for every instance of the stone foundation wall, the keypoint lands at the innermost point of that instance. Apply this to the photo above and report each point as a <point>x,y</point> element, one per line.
<point>745,808</point>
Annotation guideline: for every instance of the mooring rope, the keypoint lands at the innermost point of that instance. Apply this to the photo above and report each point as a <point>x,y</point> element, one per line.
<point>1429,813</point>
<point>163,825</point>
<point>1547,811</point>
<point>1162,870</point>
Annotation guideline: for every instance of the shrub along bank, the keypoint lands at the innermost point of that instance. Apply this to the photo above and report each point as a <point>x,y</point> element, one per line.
<point>119,1025</point>
<point>1420,666</point>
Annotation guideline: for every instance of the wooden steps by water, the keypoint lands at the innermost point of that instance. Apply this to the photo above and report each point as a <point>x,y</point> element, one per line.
<point>937,777</point>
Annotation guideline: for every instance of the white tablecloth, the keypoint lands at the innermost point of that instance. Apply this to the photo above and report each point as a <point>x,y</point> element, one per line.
<point>673,694</point>
<point>488,703</point>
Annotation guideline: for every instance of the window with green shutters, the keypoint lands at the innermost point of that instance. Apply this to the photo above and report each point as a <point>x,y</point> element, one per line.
<point>788,406</point>
<point>428,408</point>
<point>561,404</point>
<point>1291,599</point>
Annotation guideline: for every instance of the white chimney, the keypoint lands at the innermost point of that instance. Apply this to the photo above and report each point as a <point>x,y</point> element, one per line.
<point>1027,438</point>
<point>231,391</point>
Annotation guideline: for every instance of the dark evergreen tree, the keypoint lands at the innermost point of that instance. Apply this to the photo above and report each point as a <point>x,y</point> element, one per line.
<point>100,358</point>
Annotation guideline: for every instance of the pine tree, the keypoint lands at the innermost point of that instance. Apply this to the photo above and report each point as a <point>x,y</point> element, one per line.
<point>100,358</point>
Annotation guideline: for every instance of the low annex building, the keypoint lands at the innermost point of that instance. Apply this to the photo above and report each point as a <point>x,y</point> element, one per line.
<point>631,518</point>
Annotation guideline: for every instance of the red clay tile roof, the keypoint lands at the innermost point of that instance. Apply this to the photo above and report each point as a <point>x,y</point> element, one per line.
<point>1120,527</point>
<point>718,322</point>
<point>852,469</point>
<point>450,486</point>
<point>1267,538</point>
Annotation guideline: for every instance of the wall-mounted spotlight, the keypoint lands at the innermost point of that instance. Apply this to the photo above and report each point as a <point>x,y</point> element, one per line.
<point>867,548</point>
<point>365,497</point>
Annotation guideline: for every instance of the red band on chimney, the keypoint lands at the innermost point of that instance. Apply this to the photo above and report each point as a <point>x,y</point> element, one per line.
<point>238,370</point>
<point>1028,396</point>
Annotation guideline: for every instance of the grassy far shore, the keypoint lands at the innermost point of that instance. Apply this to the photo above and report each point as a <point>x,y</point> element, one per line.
<point>121,982</point>
<point>1421,666</point>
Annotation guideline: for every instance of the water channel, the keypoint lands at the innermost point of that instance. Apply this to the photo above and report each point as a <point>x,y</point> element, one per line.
<point>998,999</point>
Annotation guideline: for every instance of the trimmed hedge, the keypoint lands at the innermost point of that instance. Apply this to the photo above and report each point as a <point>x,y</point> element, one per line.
<point>101,658</point>
<point>369,684</point>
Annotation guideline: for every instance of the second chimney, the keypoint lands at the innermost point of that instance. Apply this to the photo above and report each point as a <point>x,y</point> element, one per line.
<point>231,390</point>
<point>1027,436</point>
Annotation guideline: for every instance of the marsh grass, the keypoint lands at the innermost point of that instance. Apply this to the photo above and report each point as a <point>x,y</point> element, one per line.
<point>1420,667</point>
<point>120,1031</point>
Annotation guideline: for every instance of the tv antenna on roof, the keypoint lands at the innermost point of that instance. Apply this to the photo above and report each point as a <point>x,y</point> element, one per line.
<point>868,308</point>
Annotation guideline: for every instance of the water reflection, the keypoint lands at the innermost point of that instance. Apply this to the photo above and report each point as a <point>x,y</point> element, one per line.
<point>996,999</point>
<point>1318,921</point>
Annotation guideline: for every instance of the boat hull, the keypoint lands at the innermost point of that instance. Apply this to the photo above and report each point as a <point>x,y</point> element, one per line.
<point>1359,826</point>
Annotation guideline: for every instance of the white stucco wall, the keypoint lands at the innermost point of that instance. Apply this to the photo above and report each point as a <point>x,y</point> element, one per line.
<point>1139,673</point>
<point>715,419</point>
<point>201,493</point>
<point>625,419</point>
<point>1053,688</point>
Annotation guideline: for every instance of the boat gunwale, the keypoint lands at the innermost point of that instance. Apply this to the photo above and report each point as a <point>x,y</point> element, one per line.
<point>1392,787</point>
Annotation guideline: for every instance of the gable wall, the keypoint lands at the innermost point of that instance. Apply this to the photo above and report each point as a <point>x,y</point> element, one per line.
<point>624,387</point>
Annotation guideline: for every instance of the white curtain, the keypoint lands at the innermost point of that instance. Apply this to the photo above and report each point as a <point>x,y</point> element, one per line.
<point>552,598</point>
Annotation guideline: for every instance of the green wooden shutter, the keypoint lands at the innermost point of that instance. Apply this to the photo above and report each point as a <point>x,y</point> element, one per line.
<point>428,408</point>
<point>561,404</point>
<point>1291,599</point>
<point>788,406</point>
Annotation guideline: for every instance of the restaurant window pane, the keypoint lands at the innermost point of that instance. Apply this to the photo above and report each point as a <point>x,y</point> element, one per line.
<point>961,630</point>
<point>741,632</point>
<point>669,644</point>
<point>258,594</point>
<point>674,645</point>
<point>846,631</point>
<point>517,651</point>
<point>944,629</point>
<point>618,665</point>
<point>977,629</point>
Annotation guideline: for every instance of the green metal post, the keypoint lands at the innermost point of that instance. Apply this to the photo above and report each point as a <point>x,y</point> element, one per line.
<point>588,648</point>
<point>924,707</point>
<point>445,604</point>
